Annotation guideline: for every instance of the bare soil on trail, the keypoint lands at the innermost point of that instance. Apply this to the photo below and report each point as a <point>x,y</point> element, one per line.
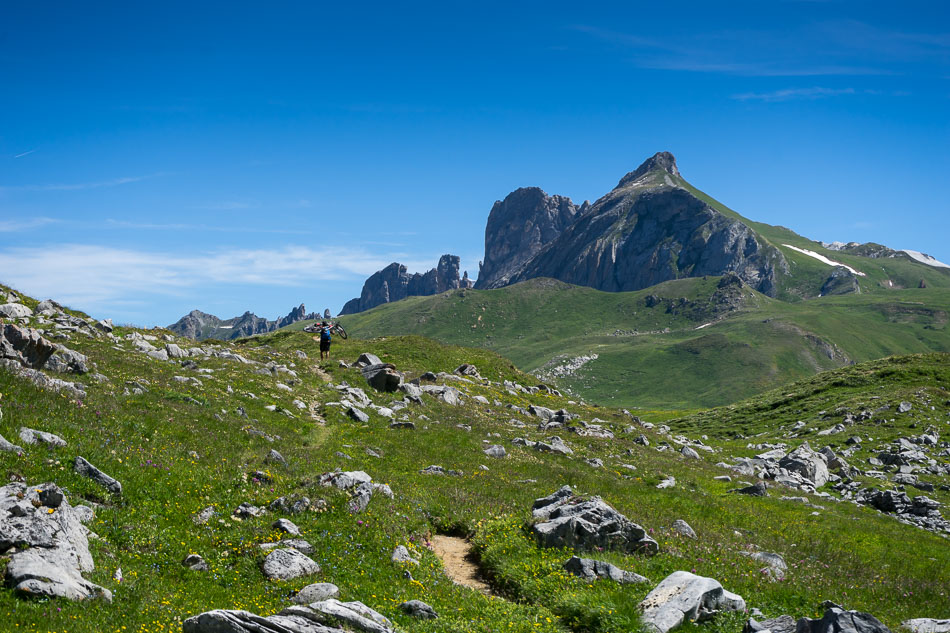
<point>456,555</point>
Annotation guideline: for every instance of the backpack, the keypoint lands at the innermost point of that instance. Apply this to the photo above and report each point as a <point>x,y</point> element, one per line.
<point>325,335</point>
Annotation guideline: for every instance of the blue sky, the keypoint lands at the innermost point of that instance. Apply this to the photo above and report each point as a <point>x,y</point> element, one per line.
<point>160,157</point>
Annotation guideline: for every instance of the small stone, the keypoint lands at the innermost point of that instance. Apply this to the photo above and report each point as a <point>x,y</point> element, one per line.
<point>683,528</point>
<point>195,562</point>
<point>316,592</point>
<point>287,526</point>
<point>418,609</point>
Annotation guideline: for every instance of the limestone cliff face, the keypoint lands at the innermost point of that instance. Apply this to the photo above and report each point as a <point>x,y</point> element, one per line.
<point>518,228</point>
<point>394,283</point>
<point>648,230</point>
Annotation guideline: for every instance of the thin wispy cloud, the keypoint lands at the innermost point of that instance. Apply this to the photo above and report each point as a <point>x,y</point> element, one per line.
<point>173,226</point>
<point>827,48</point>
<point>25,154</point>
<point>14,226</point>
<point>226,205</point>
<point>79,186</point>
<point>790,94</point>
<point>99,278</point>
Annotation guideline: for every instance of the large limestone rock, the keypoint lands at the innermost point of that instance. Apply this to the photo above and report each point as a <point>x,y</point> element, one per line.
<point>807,463</point>
<point>15,311</point>
<point>24,346</point>
<point>287,564</point>
<point>591,570</point>
<point>837,620</point>
<point>683,597</point>
<point>84,468</point>
<point>564,519</point>
<point>927,625</point>
<point>52,547</point>
<point>382,377</point>
<point>324,616</point>
<point>394,283</point>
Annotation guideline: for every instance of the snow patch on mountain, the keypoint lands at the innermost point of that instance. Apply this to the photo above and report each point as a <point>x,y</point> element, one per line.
<point>823,259</point>
<point>924,258</point>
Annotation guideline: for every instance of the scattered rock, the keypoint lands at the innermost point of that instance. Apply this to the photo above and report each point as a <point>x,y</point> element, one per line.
<point>775,565</point>
<point>382,377</point>
<point>401,555</point>
<point>495,450</point>
<point>927,625</point>
<point>781,624</point>
<point>591,570</point>
<point>316,592</point>
<point>31,436</point>
<point>682,527</point>
<point>758,489</point>
<point>195,562</point>
<point>567,520</point>
<point>689,453</point>
<point>84,468</point>
<point>287,564</point>
<point>418,609</point>
<point>8,447</point>
<point>203,516</point>
<point>904,407</point>
<point>247,511</point>
<point>837,620</point>
<point>275,458</point>
<point>15,311</point>
<point>52,549</point>
<point>668,482</point>
<point>807,463</point>
<point>357,415</point>
<point>682,597</point>
<point>315,617</point>
<point>286,526</point>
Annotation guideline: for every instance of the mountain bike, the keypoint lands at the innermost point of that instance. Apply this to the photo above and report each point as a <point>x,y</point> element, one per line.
<point>335,328</point>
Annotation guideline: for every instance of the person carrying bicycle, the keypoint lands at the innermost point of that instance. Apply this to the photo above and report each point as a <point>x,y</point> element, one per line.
<point>325,330</point>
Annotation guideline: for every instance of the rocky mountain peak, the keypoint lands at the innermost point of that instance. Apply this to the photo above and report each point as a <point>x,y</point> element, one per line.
<point>394,282</point>
<point>518,227</point>
<point>664,161</point>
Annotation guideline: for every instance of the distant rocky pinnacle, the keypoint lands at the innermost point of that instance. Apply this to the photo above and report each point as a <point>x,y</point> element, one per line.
<point>394,283</point>
<point>649,229</point>
<point>199,325</point>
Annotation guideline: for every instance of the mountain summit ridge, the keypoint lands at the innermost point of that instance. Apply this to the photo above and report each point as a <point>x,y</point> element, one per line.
<point>649,229</point>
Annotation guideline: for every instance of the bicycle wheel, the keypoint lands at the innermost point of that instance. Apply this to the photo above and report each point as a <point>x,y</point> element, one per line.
<point>339,330</point>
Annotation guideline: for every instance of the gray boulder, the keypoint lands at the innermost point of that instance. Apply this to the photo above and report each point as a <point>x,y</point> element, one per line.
<point>781,624</point>
<point>84,468</point>
<point>418,609</point>
<point>31,436</point>
<point>495,450</point>
<point>682,597</point>
<point>357,414</point>
<point>689,453</point>
<point>350,616</point>
<point>554,445</point>
<point>927,625</point>
<point>366,359</point>
<point>286,526</point>
<point>316,592</point>
<point>194,562</point>
<point>401,555</point>
<point>564,519</point>
<point>837,620</point>
<point>758,489</point>
<point>591,570</point>
<point>25,346</point>
<point>67,361</point>
<point>287,564</point>
<point>8,447</point>
<point>682,527</point>
<point>382,377</point>
<point>775,565</point>
<point>247,511</point>
<point>52,549</point>
<point>15,311</point>
<point>807,463</point>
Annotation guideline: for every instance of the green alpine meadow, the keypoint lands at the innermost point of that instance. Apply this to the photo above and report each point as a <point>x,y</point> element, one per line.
<point>227,452</point>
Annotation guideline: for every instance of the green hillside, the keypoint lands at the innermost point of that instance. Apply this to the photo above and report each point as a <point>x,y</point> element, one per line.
<point>681,344</point>
<point>181,446</point>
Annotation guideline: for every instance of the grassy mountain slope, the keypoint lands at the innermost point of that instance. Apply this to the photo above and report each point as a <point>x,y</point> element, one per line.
<point>685,350</point>
<point>848,554</point>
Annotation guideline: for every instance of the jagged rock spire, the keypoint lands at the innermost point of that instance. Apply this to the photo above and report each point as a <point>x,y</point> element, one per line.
<point>661,160</point>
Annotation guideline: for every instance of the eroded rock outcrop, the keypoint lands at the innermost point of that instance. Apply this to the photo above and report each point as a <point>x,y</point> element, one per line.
<point>565,519</point>
<point>394,283</point>
<point>52,549</point>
